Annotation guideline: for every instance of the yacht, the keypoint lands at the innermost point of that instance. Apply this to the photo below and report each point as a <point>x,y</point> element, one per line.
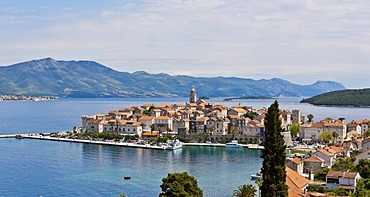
<point>174,144</point>
<point>233,144</point>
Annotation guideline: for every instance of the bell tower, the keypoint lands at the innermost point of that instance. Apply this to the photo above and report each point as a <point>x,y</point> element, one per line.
<point>193,95</point>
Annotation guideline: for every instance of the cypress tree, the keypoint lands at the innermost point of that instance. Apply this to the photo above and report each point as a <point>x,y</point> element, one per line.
<point>273,166</point>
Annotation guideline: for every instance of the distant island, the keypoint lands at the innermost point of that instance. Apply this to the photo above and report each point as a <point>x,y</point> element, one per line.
<point>247,97</point>
<point>26,98</point>
<point>89,79</point>
<point>348,98</point>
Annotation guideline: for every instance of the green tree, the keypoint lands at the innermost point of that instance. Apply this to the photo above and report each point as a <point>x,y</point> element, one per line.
<point>363,167</point>
<point>245,191</point>
<point>251,115</point>
<point>294,130</point>
<point>367,133</point>
<point>259,183</point>
<point>273,166</point>
<point>341,119</point>
<point>362,189</point>
<point>335,135</point>
<point>321,175</point>
<point>344,164</point>
<point>326,137</point>
<point>310,117</point>
<point>180,184</point>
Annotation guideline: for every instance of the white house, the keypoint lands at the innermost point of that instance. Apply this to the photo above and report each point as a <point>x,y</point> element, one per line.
<point>147,122</point>
<point>348,180</point>
<point>326,156</point>
<point>129,128</point>
<point>163,123</point>
<point>366,144</point>
<point>364,155</point>
<point>339,127</point>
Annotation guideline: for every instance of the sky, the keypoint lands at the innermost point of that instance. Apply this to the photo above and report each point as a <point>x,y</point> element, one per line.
<point>300,41</point>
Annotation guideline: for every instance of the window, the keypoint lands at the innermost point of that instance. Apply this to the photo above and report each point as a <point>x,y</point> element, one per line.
<point>332,180</point>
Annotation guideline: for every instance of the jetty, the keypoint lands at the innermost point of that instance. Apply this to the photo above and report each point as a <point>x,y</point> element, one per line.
<point>124,144</point>
<point>8,136</point>
<point>111,143</point>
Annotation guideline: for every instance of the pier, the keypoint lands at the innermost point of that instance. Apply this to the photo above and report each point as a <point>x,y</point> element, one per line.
<point>8,136</point>
<point>124,144</point>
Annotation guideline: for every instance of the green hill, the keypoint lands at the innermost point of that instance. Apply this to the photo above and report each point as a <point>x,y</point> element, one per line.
<point>355,98</point>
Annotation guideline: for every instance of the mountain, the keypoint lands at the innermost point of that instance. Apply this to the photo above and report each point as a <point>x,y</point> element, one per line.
<point>91,79</point>
<point>355,98</point>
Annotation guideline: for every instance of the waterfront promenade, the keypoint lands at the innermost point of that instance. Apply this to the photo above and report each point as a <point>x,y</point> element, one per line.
<point>125,144</point>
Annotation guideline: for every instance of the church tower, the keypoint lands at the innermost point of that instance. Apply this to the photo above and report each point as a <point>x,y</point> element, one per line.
<point>193,95</point>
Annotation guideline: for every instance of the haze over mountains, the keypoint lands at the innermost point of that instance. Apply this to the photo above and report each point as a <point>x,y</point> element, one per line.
<point>91,79</point>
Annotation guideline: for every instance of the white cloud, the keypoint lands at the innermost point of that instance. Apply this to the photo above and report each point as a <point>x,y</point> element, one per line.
<point>302,41</point>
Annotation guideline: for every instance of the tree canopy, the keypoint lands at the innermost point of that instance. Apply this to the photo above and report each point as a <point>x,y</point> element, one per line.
<point>294,130</point>
<point>245,191</point>
<point>273,166</point>
<point>180,184</point>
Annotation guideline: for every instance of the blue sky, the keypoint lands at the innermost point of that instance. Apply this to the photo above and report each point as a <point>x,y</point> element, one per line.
<point>300,41</point>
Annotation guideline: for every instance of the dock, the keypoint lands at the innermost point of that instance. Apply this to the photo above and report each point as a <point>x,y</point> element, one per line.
<point>124,144</point>
<point>8,136</point>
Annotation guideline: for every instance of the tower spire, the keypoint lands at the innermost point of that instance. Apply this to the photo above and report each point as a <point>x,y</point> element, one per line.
<point>193,95</point>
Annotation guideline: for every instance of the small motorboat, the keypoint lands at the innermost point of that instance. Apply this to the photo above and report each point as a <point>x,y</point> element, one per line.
<point>174,144</point>
<point>233,144</point>
<point>258,175</point>
<point>127,177</point>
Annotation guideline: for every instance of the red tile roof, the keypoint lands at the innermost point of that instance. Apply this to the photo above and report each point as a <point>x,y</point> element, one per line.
<point>339,174</point>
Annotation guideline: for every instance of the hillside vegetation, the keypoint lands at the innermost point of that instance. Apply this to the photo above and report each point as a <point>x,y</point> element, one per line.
<point>91,79</point>
<point>355,98</point>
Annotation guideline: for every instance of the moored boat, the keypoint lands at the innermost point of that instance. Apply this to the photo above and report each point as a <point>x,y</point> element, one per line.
<point>18,136</point>
<point>174,144</point>
<point>233,144</point>
<point>258,175</point>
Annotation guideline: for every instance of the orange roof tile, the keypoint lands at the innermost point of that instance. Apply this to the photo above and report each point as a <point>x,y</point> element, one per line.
<point>234,116</point>
<point>314,158</point>
<point>294,180</point>
<point>94,121</point>
<point>296,160</point>
<point>364,152</point>
<point>146,118</point>
<point>339,174</point>
<point>162,118</point>
<point>325,152</point>
<point>317,125</point>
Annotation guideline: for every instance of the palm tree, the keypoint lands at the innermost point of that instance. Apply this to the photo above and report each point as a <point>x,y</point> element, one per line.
<point>259,183</point>
<point>335,136</point>
<point>310,117</point>
<point>245,191</point>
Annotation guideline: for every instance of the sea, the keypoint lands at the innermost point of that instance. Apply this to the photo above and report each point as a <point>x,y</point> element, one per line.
<point>31,167</point>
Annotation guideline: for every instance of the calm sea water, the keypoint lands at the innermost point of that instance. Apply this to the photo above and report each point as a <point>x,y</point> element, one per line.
<point>32,167</point>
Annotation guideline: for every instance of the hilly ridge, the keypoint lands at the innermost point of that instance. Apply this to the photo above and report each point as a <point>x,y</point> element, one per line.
<point>91,79</point>
<point>353,98</point>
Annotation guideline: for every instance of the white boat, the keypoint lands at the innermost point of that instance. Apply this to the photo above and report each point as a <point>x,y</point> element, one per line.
<point>174,144</point>
<point>233,144</point>
<point>258,175</point>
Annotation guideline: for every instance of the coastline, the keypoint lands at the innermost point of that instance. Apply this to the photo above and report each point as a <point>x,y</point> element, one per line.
<point>124,144</point>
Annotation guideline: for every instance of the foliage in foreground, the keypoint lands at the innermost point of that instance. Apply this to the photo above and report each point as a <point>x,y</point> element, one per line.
<point>273,166</point>
<point>245,191</point>
<point>180,184</point>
